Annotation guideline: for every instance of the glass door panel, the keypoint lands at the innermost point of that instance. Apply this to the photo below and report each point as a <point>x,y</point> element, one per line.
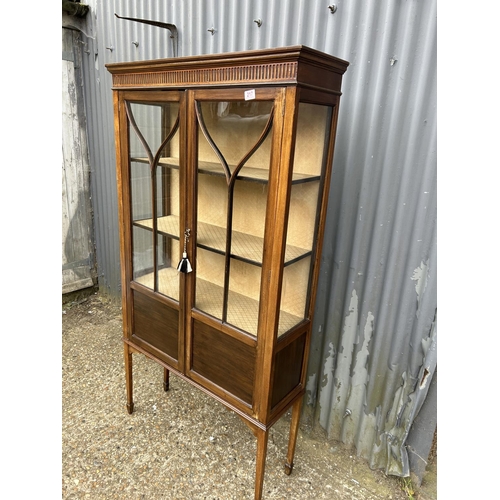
<point>141,211</point>
<point>234,152</point>
<point>155,200</point>
<point>310,158</point>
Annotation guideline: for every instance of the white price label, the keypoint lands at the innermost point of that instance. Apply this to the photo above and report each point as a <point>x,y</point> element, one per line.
<point>249,95</point>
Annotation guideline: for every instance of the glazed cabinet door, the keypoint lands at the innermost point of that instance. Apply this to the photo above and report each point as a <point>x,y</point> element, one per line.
<point>236,135</point>
<point>152,178</point>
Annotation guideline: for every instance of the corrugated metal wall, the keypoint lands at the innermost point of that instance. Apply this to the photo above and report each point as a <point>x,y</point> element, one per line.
<point>374,349</point>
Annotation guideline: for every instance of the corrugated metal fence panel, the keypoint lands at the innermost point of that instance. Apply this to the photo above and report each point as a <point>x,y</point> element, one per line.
<point>377,299</point>
<point>373,350</point>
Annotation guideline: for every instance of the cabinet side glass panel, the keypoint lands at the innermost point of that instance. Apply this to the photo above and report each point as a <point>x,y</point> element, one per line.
<point>310,156</point>
<point>154,174</point>
<point>234,151</point>
<point>142,238</point>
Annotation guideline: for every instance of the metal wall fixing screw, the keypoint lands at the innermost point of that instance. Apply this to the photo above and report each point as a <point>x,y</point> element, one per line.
<point>111,48</point>
<point>393,60</point>
<point>258,21</point>
<point>212,30</point>
<point>347,412</point>
<point>136,44</point>
<point>333,8</point>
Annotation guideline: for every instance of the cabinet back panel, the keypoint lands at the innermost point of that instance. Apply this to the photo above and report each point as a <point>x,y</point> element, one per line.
<point>288,368</point>
<point>223,360</point>
<point>156,323</point>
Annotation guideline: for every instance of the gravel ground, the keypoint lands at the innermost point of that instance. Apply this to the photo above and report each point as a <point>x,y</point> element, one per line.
<point>181,444</point>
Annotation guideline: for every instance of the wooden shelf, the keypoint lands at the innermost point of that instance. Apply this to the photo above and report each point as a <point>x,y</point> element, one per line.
<point>168,282</point>
<point>245,247</point>
<point>251,174</point>
<point>167,225</point>
<point>243,311</point>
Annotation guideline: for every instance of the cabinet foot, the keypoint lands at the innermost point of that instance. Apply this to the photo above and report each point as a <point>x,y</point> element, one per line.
<point>130,408</point>
<point>288,468</point>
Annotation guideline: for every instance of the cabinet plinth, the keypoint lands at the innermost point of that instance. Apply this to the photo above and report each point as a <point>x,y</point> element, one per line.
<point>223,171</point>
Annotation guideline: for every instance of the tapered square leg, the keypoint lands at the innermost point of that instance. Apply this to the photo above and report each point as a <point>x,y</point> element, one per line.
<point>262,438</point>
<point>292,441</point>
<point>128,378</point>
<point>166,379</point>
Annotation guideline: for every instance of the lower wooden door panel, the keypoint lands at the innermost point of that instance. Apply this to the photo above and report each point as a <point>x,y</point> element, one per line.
<point>156,326</point>
<point>223,360</point>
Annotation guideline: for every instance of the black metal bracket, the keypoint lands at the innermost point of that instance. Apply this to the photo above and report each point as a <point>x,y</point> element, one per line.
<point>171,27</point>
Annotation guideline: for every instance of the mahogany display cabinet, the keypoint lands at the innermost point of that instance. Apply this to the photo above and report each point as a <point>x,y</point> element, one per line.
<point>223,171</point>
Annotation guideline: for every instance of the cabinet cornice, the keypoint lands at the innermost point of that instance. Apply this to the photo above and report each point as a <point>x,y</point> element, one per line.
<point>254,67</point>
